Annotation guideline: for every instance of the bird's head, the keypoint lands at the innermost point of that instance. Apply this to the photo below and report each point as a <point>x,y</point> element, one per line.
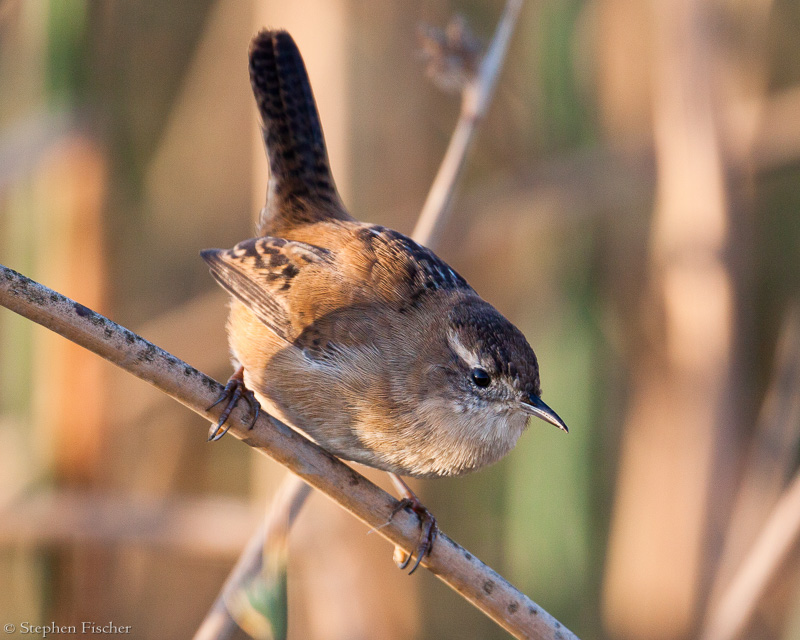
<point>493,364</point>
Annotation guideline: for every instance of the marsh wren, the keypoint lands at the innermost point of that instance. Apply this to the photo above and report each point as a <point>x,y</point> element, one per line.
<point>354,333</point>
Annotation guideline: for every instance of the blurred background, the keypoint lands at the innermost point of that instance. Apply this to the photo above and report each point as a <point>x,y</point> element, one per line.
<point>631,203</point>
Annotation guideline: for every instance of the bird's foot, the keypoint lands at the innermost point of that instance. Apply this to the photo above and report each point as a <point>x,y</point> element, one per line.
<point>428,532</point>
<point>231,394</point>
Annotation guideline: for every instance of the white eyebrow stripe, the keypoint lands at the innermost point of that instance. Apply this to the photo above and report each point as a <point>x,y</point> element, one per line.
<point>461,351</point>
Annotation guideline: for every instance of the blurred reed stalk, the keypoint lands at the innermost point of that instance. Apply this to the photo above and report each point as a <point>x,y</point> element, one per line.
<point>668,492</point>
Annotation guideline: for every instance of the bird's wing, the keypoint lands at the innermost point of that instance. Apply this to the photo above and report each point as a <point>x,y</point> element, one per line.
<point>262,272</point>
<point>295,288</point>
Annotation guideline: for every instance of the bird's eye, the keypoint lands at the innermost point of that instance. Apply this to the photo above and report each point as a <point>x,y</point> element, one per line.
<point>480,377</point>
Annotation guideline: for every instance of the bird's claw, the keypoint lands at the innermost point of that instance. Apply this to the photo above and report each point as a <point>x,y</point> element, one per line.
<point>234,390</point>
<point>428,531</point>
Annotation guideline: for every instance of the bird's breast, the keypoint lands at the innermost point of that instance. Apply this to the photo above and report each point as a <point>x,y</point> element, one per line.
<point>439,438</point>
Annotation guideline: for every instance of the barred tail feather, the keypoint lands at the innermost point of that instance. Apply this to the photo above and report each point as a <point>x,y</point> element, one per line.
<point>301,187</point>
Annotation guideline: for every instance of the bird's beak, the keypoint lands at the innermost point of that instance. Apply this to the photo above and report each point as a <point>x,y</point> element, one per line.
<point>534,406</point>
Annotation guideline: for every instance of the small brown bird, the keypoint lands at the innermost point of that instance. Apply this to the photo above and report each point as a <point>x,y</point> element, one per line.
<point>353,333</point>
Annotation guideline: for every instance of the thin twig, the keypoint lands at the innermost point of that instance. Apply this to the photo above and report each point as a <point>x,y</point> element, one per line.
<point>475,581</point>
<point>476,97</point>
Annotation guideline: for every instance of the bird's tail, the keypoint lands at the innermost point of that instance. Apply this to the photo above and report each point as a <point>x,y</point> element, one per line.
<point>301,188</point>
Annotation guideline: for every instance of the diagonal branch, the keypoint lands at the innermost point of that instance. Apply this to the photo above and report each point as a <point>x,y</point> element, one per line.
<point>475,581</point>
